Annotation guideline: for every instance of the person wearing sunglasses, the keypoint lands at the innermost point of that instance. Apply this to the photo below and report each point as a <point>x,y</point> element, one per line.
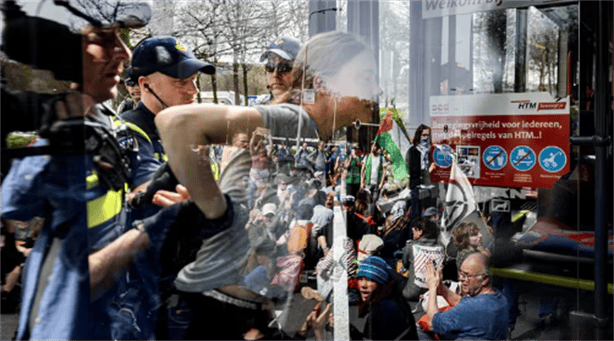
<point>134,91</point>
<point>278,59</point>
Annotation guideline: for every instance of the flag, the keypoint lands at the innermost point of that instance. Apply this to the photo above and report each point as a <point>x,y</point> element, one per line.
<point>460,200</point>
<point>385,140</point>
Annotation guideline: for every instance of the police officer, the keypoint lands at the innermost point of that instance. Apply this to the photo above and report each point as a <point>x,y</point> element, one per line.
<point>134,90</point>
<point>81,248</point>
<point>279,58</point>
<point>166,73</point>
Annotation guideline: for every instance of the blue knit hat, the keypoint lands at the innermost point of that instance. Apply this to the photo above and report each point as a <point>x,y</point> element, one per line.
<point>374,268</point>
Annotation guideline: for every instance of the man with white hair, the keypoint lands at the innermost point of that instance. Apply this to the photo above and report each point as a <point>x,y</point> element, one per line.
<point>480,313</point>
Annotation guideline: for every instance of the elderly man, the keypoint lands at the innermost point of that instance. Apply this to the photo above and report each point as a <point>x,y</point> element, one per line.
<point>278,59</point>
<point>481,313</point>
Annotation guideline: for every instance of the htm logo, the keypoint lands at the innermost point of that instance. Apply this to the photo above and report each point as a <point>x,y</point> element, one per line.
<point>528,105</point>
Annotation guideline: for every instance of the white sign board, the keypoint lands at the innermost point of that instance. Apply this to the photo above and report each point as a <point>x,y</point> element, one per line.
<point>442,8</point>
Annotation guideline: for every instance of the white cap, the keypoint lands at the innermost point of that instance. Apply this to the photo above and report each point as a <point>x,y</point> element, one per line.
<point>269,208</point>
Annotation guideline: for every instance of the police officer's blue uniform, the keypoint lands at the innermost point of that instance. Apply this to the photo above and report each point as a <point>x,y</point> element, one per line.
<point>82,214</point>
<point>151,152</point>
<point>136,300</point>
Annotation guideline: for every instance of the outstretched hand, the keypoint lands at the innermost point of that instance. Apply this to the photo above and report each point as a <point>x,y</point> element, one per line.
<point>317,320</point>
<point>433,276</point>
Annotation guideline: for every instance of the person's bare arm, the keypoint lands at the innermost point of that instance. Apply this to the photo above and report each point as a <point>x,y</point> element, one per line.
<point>362,173</point>
<point>433,280</point>
<point>323,244</point>
<point>108,263</point>
<point>184,128</point>
<point>450,296</point>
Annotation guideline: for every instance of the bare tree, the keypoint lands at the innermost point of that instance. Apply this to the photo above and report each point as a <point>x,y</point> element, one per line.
<point>542,49</point>
<point>232,32</point>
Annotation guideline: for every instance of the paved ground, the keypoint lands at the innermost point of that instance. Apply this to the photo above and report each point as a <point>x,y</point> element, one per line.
<point>8,326</point>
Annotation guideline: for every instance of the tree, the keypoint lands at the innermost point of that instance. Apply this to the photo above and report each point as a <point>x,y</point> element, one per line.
<point>232,32</point>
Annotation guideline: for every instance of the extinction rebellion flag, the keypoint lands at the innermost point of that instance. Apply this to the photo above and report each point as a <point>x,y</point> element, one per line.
<point>460,200</point>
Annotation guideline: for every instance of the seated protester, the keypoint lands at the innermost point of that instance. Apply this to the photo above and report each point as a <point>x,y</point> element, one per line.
<point>370,245</point>
<point>361,203</point>
<point>394,233</point>
<point>467,239</point>
<point>424,235</point>
<point>266,224</point>
<point>388,317</point>
<point>329,268</point>
<point>432,213</point>
<point>481,313</point>
<point>281,181</point>
<point>322,220</point>
<point>356,226</point>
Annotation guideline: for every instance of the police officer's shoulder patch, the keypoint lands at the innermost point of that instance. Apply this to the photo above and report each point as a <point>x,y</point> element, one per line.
<point>127,141</point>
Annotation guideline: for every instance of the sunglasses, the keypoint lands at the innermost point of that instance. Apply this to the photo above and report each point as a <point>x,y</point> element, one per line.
<point>280,67</point>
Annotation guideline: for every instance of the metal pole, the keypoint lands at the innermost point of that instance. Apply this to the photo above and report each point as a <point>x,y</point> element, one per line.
<point>602,101</point>
<point>329,27</point>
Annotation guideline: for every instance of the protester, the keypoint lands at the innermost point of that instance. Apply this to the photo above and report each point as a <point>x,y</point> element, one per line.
<point>353,165</point>
<point>318,158</point>
<point>386,316</point>
<point>394,232</point>
<point>370,245</point>
<point>419,165</point>
<point>259,172</point>
<point>301,159</point>
<point>323,225</point>
<point>330,162</point>
<point>467,239</point>
<point>329,269</point>
<point>239,142</point>
<point>432,213</point>
<point>480,313</point>
<point>372,172</point>
<point>425,234</point>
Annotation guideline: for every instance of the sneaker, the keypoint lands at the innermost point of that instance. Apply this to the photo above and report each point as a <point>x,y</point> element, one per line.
<point>311,294</point>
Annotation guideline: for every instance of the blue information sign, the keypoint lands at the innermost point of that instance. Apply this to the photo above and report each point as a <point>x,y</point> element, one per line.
<point>495,157</point>
<point>523,158</point>
<point>552,159</point>
<point>443,156</point>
